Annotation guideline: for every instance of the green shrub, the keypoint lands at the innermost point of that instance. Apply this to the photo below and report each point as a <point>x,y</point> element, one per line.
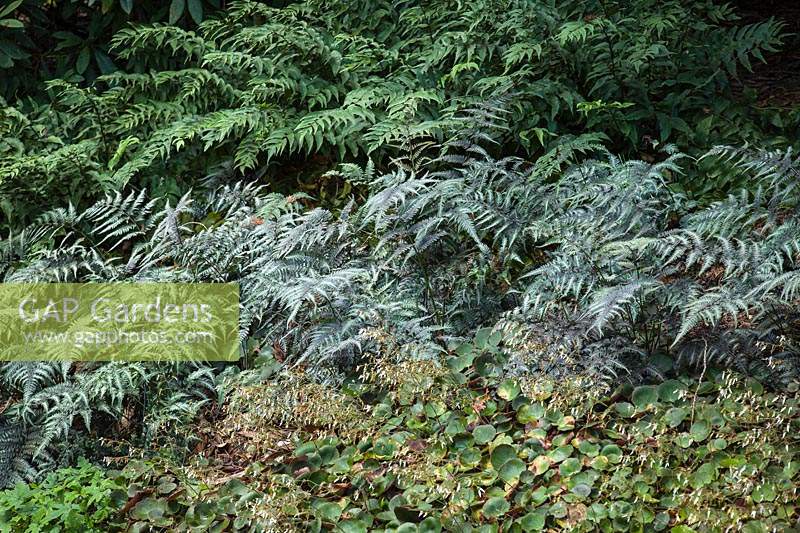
<point>70,38</point>
<point>597,269</point>
<point>257,88</point>
<point>70,499</point>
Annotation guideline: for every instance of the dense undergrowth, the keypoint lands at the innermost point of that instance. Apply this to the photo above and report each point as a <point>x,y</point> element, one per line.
<point>258,88</point>
<point>503,265</point>
<point>432,449</point>
<point>616,287</point>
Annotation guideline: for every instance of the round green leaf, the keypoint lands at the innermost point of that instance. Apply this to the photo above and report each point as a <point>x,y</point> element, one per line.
<point>533,521</point>
<point>329,511</point>
<point>700,430</point>
<point>560,453</point>
<point>541,464</point>
<point>582,489</point>
<point>644,397</point>
<point>508,390</point>
<point>718,444</point>
<point>495,507</point>
<point>589,449</point>
<point>481,340</point>
<point>484,434</point>
<point>430,525</point>
<point>670,390</point>
<point>528,413</point>
<point>558,509</point>
<point>675,416</point>
<point>600,462</point>
<point>511,470</point>
<point>624,409</point>
<point>596,512</point>
<point>569,467</point>
<point>620,509</point>
<point>755,386</point>
<point>612,452</point>
<point>469,457</point>
<point>704,475</point>
<point>166,487</point>
<point>351,526</point>
<point>764,493</point>
<point>502,454</point>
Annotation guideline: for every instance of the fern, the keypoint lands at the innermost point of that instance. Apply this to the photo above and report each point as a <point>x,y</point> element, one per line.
<point>257,86</point>
<point>590,264</point>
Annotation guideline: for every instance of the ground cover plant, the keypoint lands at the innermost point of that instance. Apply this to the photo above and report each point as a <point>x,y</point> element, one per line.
<point>503,266</point>
<point>71,499</point>
<point>460,450</point>
<point>498,455</point>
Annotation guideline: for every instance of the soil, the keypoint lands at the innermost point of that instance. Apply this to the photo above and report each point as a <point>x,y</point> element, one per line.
<point>777,82</point>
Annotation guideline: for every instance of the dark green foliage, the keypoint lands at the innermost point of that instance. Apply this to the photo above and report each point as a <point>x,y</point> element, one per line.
<point>626,280</point>
<point>258,86</point>
<point>69,39</point>
<point>40,163</point>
